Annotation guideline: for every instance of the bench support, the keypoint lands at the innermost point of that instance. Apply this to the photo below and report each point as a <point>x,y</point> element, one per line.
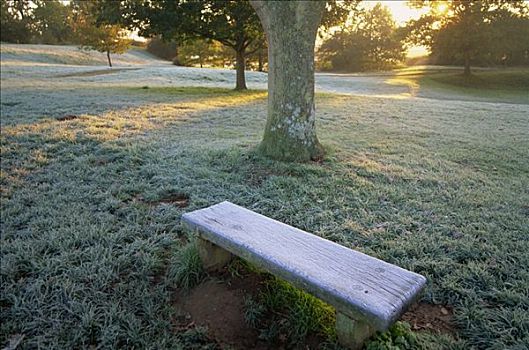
<point>213,257</point>
<point>352,333</point>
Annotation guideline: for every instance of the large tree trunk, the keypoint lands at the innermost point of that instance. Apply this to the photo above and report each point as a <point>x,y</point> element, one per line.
<point>108,57</point>
<point>291,27</point>
<point>240,65</point>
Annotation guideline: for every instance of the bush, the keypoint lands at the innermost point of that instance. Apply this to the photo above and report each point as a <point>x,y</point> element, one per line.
<point>166,50</point>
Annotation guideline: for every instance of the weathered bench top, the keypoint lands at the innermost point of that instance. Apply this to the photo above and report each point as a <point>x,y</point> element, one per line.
<point>356,284</point>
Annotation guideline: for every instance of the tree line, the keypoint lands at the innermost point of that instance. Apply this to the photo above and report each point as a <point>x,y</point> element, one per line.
<point>229,33</point>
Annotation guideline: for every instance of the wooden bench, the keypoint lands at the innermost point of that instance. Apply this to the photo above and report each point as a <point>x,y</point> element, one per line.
<point>368,294</point>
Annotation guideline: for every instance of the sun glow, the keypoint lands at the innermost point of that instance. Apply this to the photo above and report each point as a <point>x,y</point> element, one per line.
<point>399,9</point>
<point>442,7</point>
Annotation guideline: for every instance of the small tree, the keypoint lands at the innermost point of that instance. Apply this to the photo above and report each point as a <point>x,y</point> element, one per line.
<point>93,35</point>
<point>104,38</point>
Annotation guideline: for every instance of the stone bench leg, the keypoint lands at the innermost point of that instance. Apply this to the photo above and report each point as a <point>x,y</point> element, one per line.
<point>351,333</point>
<point>213,257</point>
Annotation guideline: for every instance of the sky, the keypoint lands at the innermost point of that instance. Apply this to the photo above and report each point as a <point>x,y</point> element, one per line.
<point>400,11</point>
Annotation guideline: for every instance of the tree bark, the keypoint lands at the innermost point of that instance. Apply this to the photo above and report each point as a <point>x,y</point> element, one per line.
<point>240,66</point>
<point>108,57</point>
<point>290,26</point>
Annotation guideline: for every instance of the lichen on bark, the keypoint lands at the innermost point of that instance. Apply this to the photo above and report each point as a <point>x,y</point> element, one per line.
<point>291,26</point>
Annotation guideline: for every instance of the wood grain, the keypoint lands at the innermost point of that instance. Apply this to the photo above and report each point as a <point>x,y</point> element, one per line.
<point>357,285</point>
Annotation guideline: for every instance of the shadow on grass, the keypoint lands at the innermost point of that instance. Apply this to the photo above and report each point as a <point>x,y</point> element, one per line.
<point>35,105</point>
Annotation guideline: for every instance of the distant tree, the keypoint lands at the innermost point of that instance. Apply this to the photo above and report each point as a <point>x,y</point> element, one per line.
<point>259,56</point>
<point>466,31</point>
<point>40,21</point>
<point>510,38</point>
<point>371,42</point>
<point>338,13</point>
<point>52,22</point>
<point>107,38</point>
<point>206,52</point>
<point>16,19</point>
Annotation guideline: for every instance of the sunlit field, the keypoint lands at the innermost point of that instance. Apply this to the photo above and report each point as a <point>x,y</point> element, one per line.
<point>98,166</point>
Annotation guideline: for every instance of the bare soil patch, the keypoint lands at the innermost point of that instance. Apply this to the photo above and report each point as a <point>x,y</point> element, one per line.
<point>219,305</point>
<point>179,199</point>
<point>436,318</point>
<point>67,117</point>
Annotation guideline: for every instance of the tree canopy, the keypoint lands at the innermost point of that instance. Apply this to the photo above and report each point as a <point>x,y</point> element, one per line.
<point>232,23</point>
<point>16,21</point>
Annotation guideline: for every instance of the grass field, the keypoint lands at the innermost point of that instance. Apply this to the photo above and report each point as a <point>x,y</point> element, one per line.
<point>93,254</point>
